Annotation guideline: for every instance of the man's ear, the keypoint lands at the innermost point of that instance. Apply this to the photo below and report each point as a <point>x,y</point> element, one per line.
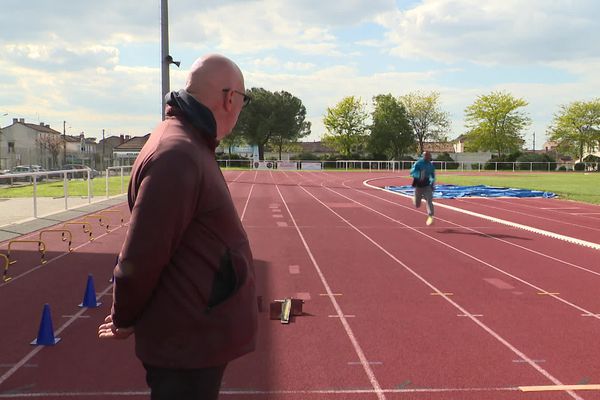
<point>228,101</point>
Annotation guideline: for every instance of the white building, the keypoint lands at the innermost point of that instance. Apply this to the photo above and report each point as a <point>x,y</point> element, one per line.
<point>20,144</point>
<point>23,143</point>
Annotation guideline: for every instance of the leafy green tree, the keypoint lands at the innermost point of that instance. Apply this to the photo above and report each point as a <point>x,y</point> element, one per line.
<point>428,121</point>
<point>576,127</point>
<point>290,124</point>
<point>275,118</point>
<point>346,126</point>
<point>234,139</point>
<point>495,123</point>
<point>391,133</point>
<point>256,119</point>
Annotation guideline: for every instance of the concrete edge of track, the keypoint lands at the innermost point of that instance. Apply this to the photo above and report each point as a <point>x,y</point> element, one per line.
<point>21,228</point>
<point>542,232</point>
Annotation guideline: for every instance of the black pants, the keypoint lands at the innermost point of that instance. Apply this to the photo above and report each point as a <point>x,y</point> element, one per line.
<point>184,384</point>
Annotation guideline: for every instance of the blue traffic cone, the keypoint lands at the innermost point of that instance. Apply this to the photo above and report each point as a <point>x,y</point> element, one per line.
<point>45,335</point>
<point>89,297</point>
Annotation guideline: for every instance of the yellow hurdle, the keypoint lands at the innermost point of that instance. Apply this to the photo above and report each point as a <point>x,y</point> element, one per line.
<point>99,217</point>
<point>5,277</point>
<point>119,214</point>
<point>41,248</point>
<point>62,232</point>
<point>87,227</point>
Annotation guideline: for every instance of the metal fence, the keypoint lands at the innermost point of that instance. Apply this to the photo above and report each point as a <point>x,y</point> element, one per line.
<point>375,165</point>
<point>36,178</point>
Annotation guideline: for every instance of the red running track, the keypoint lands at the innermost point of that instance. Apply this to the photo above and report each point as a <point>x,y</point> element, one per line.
<point>464,309</point>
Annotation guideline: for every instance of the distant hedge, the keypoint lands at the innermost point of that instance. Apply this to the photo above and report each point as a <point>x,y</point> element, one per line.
<point>540,162</point>
<point>450,163</point>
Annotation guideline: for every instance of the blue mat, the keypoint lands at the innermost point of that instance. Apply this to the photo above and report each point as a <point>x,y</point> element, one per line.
<point>453,191</point>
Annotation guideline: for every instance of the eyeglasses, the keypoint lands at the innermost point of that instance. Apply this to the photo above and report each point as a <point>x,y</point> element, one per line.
<point>247,98</point>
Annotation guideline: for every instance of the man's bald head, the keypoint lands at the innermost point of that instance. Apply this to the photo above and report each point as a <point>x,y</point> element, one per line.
<point>208,77</point>
<point>426,156</point>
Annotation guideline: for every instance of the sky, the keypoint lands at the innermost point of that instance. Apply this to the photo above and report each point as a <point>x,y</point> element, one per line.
<point>96,64</point>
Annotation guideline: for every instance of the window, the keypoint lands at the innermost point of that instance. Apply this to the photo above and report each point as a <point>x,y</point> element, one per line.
<point>11,147</point>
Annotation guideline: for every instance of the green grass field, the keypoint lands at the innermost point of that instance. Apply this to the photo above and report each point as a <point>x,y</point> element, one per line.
<point>76,188</point>
<point>572,186</point>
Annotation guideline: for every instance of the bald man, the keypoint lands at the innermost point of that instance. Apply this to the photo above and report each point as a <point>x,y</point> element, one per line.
<point>184,281</point>
<point>423,173</point>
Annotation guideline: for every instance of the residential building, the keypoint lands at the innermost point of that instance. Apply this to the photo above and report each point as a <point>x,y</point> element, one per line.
<point>126,153</point>
<point>23,143</point>
<point>317,148</point>
<point>81,150</point>
<point>106,150</point>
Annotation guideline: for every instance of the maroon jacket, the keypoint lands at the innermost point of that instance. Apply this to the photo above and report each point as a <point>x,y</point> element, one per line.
<point>185,278</point>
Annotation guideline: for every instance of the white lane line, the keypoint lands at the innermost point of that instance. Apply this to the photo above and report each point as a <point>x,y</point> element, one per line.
<point>482,233</point>
<point>248,199</point>
<point>560,208</point>
<point>548,388</point>
<point>357,348</point>
<point>237,177</point>
<point>37,349</point>
<point>370,362</point>
<point>462,310</point>
<point>542,232</point>
<point>257,392</point>
<point>531,285</point>
<point>585,213</point>
<point>14,278</point>
<point>499,283</point>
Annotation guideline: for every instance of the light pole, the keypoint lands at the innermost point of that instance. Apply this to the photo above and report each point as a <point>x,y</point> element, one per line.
<point>166,59</point>
<point>103,142</point>
<point>64,143</point>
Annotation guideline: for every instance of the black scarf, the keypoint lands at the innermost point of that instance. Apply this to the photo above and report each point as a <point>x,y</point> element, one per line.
<point>194,111</point>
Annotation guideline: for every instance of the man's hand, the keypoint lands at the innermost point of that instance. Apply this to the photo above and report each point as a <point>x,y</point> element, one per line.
<point>108,330</point>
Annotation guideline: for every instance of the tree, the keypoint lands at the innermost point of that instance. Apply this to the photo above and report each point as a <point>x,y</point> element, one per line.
<point>235,138</point>
<point>51,142</point>
<point>346,126</point>
<point>495,123</point>
<point>391,133</point>
<point>428,121</point>
<point>290,124</point>
<point>576,127</point>
<point>278,118</point>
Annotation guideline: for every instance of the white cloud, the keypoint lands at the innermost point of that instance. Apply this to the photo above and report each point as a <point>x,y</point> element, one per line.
<point>88,62</point>
<point>57,55</point>
<point>510,31</point>
<point>327,86</point>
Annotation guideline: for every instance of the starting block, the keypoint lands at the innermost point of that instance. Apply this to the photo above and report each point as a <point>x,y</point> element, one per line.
<point>284,309</point>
